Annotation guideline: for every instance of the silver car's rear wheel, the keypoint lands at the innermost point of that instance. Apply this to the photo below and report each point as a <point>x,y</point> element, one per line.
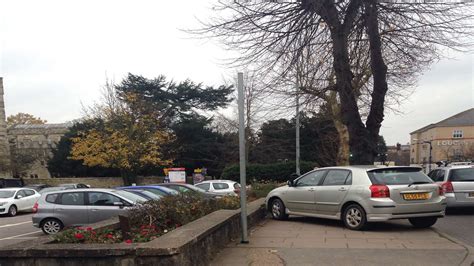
<point>51,226</point>
<point>354,217</point>
<point>278,210</point>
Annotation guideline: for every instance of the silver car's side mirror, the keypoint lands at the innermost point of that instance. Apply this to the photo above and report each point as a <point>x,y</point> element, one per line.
<point>290,183</point>
<point>19,197</point>
<point>119,204</point>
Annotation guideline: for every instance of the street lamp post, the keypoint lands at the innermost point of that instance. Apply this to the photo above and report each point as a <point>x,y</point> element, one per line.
<point>429,158</point>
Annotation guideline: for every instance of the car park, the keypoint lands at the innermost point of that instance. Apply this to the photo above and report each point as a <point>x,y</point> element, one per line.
<point>37,187</point>
<point>221,187</point>
<point>14,200</point>
<point>158,190</point>
<point>144,193</point>
<point>187,188</point>
<point>457,182</point>
<point>74,185</point>
<point>65,208</point>
<point>358,195</point>
<point>51,189</point>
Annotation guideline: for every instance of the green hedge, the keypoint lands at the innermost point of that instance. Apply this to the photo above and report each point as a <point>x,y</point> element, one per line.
<point>276,171</point>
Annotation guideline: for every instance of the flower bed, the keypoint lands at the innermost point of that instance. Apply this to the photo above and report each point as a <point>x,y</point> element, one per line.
<point>150,220</point>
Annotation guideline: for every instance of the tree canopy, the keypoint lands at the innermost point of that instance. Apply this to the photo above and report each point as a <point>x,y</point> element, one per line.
<point>24,119</point>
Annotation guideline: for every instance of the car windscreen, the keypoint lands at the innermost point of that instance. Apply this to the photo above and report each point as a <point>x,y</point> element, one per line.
<point>6,194</point>
<point>197,189</point>
<point>462,175</point>
<point>398,176</point>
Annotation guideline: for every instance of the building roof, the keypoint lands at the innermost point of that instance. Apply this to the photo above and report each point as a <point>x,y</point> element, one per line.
<point>465,118</point>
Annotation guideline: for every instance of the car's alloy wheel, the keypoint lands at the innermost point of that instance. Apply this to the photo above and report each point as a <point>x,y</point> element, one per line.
<point>354,217</point>
<point>278,210</point>
<point>51,226</point>
<point>12,211</point>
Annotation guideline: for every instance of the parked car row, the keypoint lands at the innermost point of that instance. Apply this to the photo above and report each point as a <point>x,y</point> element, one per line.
<point>65,206</point>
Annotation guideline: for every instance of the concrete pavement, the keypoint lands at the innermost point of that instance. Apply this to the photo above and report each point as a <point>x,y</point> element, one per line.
<point>312,241</point>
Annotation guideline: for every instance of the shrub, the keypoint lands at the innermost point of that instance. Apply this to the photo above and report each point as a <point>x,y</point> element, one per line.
<point>88,235</point>
<point>279,172</point>
<point>261,190</point>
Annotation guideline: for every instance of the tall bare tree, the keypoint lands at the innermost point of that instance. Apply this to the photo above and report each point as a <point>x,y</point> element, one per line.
<point>344,43</point>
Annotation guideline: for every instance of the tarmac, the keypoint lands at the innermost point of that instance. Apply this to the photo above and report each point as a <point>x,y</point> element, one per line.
<point>312,241</point>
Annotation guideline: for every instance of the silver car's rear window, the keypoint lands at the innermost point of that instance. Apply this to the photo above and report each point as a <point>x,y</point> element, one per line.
<point>398,176</point>
<point>462,175</point>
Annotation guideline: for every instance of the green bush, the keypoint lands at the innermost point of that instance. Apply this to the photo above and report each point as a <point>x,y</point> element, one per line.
<point>279,172</point>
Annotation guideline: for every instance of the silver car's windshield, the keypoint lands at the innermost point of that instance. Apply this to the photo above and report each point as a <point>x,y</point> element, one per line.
<point>398,177</point>
<point>6,194</point>
<point>462,175</point>
<point>130,196</point>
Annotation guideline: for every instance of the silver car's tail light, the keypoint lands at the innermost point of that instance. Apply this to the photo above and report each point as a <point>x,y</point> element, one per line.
<point>379,191</point>
<point>35,207</point>
<point>447,187</point>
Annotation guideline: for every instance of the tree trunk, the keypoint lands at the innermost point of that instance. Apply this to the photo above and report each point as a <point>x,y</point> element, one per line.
<point>343,151</point>
<point>362,149</point>
<point>379,72</point>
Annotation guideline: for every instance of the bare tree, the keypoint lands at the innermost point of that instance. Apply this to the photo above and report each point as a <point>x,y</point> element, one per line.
<point>344,43</point>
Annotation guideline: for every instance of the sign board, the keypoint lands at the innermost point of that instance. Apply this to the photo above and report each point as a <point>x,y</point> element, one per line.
<point>177,175</point>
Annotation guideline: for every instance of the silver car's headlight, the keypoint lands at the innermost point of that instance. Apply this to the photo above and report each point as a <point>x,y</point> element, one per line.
<point>2,203</point>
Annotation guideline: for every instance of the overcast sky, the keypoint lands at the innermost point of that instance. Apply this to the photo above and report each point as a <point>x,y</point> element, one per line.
<point>55,56</point>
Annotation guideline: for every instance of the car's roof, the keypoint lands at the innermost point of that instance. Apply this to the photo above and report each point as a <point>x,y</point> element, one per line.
<point>217,180</point>
<point>87,189</point>
<point>11,188</point>
<point>146,186</point>
<point>456,167</point>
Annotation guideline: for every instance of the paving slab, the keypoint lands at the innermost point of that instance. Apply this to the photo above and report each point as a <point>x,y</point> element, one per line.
<point>310,241</point>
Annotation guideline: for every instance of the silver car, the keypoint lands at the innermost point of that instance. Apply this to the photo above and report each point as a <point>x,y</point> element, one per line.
<point>458,184</point>
<point>76,207</point>
<point>361,194</point>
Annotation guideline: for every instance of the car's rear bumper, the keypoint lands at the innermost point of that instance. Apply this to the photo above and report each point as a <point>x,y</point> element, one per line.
<point>386,209</point>
<point>454,202</point>
<point>36,221</point>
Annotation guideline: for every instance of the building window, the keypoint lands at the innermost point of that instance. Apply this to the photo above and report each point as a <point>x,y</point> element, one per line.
<point>457,134</point>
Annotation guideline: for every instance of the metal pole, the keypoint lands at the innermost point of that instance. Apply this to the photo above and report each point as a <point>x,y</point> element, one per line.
<point>298,172</point>
<point>429,160</point>
<point>243,182</point>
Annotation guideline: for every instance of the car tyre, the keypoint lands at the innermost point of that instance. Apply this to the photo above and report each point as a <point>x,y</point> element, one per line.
<point>423,222</point>
<point>278,210</point>
<point>51,226</point>
<point>354,217</point>
<point>12,211</point>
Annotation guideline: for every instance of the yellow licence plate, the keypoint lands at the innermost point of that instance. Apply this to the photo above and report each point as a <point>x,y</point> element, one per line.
<point>416,196</point>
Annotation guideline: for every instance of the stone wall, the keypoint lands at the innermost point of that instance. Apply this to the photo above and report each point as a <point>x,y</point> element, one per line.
<point>99,182</point>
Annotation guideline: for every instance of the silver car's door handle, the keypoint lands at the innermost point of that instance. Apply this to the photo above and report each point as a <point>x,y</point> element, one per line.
<point>59,209</point>
<point>94,210</point>
<point>311,189</point>
<point>342,189</point>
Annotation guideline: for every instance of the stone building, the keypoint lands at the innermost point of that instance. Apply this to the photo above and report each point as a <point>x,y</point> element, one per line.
<point>4,147</point>
<point>451,139</point>
<point>35,142</point>
<point>25,149</point>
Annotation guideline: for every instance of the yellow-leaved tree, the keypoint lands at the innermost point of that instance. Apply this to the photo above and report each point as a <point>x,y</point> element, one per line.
<point>124,138</point>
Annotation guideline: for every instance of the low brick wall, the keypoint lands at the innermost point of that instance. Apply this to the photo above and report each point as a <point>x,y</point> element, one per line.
<point>99,182</point>
<point>192,244</point>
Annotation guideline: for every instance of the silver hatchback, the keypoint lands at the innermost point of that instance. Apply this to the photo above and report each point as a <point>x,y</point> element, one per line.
<point>361,194</point>
<point>76,207</point>
<point>458,184</point>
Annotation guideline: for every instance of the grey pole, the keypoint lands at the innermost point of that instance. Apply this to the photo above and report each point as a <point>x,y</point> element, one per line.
<point>243,182</point>
<point>298,172</point>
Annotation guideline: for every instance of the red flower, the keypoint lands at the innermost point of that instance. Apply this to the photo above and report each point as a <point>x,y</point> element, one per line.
<point>178,225</point>
<point>89,228</point>
<point>79,236</point>
<point>109,236</point>
<point>128,241</point>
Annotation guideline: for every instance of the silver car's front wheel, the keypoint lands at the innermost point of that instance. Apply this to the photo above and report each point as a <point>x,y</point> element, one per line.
<point>354,217</point>
<point>278,210</point>
<point>51,226</point>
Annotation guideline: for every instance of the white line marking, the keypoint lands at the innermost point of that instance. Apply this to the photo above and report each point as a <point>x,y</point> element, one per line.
<point>12,237</point>
<point>8,225</point>
<point>22,238</point>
